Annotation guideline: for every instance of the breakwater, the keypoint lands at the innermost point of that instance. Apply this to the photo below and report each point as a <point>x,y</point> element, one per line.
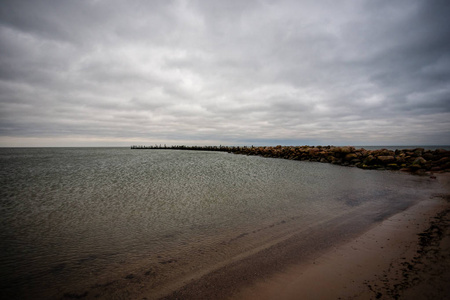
<point>416,160</point>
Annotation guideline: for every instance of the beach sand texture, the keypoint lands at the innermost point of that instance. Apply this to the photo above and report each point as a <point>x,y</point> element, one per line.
<point>407,256</point>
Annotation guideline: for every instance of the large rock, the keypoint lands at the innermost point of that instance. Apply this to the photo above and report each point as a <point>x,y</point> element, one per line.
<point>385,159</point>
<point>351,156</point>
<point>314,151</point>
<point>428,156</point>
<point>383,152</point>
<point>344,150</point>
<point>400,159</point>
<point>420,161</point>
<point>369,160</point>
<point>443,160</point>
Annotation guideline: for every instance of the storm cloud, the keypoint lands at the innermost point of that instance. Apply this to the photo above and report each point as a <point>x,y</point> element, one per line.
<point>96,73</point>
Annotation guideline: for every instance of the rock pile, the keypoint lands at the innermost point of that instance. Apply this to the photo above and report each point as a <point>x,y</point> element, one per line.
<point>416,160</point>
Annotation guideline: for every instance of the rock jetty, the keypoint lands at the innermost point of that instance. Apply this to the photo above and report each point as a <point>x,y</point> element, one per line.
<point>410,160</point>
<point>418,160</point>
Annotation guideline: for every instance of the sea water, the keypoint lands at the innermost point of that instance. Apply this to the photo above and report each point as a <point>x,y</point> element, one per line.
<point>69,214</point>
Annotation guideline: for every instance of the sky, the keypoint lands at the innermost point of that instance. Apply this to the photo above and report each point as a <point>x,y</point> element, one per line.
<point>319,72</point>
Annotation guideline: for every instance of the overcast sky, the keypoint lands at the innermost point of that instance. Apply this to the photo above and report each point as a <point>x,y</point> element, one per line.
<point>106,73</point>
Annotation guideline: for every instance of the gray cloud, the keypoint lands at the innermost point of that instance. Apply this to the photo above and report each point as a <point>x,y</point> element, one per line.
<point>323,72</point>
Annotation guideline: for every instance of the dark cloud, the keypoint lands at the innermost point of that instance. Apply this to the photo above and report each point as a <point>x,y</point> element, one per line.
<point>262,72</point>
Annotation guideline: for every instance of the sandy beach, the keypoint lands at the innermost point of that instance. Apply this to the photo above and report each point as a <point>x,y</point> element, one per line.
<point>406,256</point>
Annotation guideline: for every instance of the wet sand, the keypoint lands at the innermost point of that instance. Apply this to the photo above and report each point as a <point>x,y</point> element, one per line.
<point>406,256</point>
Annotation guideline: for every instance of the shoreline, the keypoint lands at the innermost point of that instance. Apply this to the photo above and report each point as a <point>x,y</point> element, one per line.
<point>294,263</point>
<point>383,262</point>
<point>407,256</point>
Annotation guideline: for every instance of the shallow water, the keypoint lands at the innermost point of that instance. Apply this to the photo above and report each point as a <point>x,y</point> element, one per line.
<point>69,215</point>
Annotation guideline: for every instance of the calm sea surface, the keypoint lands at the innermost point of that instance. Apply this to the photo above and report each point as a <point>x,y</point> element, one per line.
<point>68,214</point>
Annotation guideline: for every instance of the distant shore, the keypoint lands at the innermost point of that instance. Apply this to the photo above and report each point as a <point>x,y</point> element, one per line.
<point>416,161</point>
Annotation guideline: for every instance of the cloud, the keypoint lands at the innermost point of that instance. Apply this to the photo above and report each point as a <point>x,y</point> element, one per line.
<point>226,72</point>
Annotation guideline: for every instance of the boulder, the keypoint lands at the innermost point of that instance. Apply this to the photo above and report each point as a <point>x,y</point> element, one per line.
<point>369,160</point>
<point>443,160</point>
<point>383,152</point>
<point>355,161</point>
<point>344,149</point>
<point>313,151</point>
<point>400,159</point>
<point>385,159</point>
<point>351,156</point>
<point>420,161</point>
<point>363,152</point>
<point>428,156</point>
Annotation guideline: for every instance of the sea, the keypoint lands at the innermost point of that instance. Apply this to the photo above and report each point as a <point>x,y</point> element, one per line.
<point>72,217</point>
